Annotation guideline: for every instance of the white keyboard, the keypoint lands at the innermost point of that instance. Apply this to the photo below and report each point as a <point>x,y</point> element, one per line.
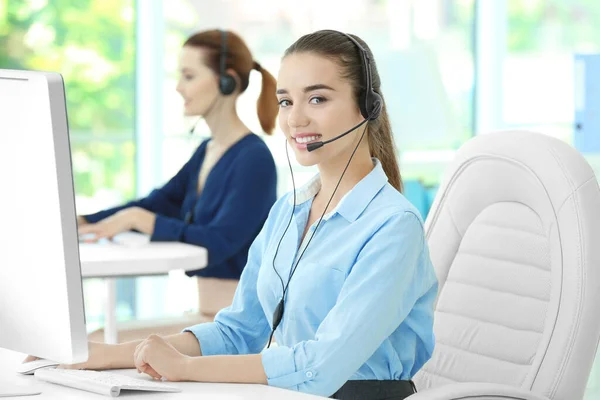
<point>101,382</point>
<point>126,239</point>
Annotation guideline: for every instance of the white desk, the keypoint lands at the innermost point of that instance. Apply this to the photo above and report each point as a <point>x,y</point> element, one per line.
<point>196,391</point>
<point>132,254</point>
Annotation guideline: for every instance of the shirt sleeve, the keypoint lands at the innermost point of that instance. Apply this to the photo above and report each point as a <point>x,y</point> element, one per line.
<point>386,281</point>
<point>241,328</point>
<point>165,201</point>
<point>251,192</point>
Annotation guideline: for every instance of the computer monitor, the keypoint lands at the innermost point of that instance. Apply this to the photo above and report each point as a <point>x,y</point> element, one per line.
<point>41,296</point>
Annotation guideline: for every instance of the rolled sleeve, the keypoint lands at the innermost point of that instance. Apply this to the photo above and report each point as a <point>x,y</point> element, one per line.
<point>280,367</point>
<point>210,338</point>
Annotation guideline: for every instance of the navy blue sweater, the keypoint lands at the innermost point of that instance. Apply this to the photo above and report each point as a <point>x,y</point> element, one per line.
<point>227,215</point>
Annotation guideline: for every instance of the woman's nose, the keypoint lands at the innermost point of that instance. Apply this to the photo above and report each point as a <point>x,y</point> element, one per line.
<point>297,118</point>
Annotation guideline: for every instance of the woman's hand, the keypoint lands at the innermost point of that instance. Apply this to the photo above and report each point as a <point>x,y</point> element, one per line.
<point>158,358</point>
<point>108,227</point>
<point>123,221</point>
<point>100,356</point>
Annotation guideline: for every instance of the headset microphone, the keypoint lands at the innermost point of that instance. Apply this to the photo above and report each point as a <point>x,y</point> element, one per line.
<point>317,145</point>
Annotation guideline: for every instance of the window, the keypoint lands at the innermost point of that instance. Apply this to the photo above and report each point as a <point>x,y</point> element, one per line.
<point>423,51</point>
<point>92,45</point>
<point>542,38</point>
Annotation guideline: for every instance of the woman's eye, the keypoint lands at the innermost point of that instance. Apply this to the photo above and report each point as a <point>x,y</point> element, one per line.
<point>188,77</point>
<point>317,100</point>
<point>284,103</point>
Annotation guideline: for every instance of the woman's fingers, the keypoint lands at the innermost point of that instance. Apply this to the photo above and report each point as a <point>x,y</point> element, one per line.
<point>147,369</point>
<point>140,363</point>
<point>30,359</point>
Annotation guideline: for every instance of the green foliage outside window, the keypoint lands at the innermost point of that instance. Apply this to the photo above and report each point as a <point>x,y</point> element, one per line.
<point>92,44</point>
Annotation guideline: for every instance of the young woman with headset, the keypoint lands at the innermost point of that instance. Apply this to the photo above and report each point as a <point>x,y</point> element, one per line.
<point>221,197</point>
<point>340,274</point>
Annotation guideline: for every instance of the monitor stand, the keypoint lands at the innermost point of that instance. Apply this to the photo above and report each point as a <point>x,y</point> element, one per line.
<point>8,389</point>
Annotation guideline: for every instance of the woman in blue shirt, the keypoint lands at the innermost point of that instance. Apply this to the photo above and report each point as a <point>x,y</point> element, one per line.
<point>350,259</point>
<point>221,197</point>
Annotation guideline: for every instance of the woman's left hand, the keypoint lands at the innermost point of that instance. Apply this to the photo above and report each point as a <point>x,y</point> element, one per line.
<point>158,358</point>
<point>123,221</point>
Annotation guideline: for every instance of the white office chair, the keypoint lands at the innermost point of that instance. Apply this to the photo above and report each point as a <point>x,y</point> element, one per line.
<point>514,235</point>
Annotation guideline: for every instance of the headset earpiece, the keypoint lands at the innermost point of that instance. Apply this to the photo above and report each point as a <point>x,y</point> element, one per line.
<point>227,82</point>
<point>369,101</point>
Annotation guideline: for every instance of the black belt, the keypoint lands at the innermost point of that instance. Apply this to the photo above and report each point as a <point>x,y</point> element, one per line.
<point>375,390</point>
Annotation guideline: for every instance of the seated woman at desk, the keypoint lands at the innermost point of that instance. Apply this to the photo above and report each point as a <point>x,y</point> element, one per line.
<point>348,290</point>
<point>221,197</point>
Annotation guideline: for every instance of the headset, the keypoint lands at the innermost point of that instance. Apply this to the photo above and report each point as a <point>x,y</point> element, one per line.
<point>371,104</point>
<point>226,81</point>
<point>369,101</point>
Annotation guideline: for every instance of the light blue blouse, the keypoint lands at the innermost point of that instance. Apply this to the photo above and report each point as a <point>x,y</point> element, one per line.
<point>359,306</point>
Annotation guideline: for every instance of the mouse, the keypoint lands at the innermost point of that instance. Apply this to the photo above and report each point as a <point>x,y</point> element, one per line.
<point>30,367</point>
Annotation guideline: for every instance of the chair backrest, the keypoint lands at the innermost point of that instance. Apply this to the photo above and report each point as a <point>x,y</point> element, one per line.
<point>514,236</point>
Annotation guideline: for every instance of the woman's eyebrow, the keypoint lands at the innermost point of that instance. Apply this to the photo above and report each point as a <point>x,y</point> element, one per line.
<point>309,88</point>
<point>318,86</point>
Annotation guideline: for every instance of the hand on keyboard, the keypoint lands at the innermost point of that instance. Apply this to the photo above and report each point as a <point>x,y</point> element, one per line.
<point>122,221</point>
<point>158,358</point>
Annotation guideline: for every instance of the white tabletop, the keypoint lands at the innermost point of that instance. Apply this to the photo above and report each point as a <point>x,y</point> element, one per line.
<point>190,390</point>
<point>132,254</point>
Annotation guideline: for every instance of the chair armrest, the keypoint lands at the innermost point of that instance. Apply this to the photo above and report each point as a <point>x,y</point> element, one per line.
<point>476,391</point>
